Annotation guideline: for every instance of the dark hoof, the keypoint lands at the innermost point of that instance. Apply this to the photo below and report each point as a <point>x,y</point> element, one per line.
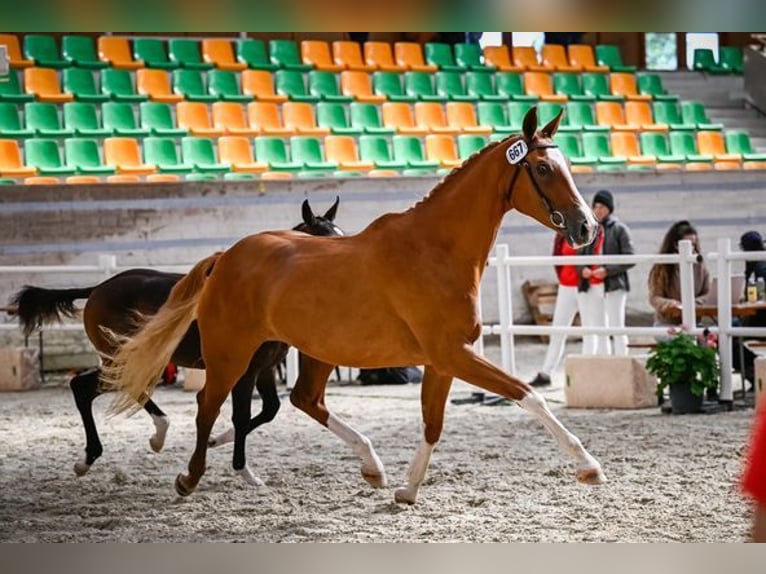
<point>182,489</point>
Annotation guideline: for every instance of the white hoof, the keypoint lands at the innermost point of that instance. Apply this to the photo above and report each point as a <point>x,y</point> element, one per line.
<point>81,468</point>
<point>221,439</point>
<point>248,476</point>
<point>405,495</point>
<point>161,425</point>
<point>592,475</point>
<point>375,477</point>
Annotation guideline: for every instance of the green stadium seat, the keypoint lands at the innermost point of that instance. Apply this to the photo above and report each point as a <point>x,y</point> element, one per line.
<point>186,54</point>
<point>738,141</point>
<point>307,150</point>
<point>439,54</point>
<point>704,61</point>
<point>273,151</point>
<point>152,52</point>
<point>389,84</point>
<point>571,147</point>
<point>479,85</point>
<point>190,85</point>
<point>693,113</point>
<point>80,51</point>
<point>43,50</point>
<point>516,113</point>
<point>668,112</point>
<point>333,115</point>
<point>118,117</point>
<point>43,118</point>
<point>223,85</point>
<point>597,85</point>
<point>409,149</point>
<point>467,145</point>
<point>44,155</point>
<point>200,152</point>
<point>657,145</point>
<point>8,181</point>
<point>118,85</point>
<point>157,117</point>
<point>239,176</point>
<point>546,111</point>
<point>730,58</point>
<point>450,85</point>
<point>83,155</point>
<point>162,152</point>
<point>569,85</point>
<point>468,56</point>
<point>284,53</point>
<point>290,83</point>
<point>82,119</point>
<point>366,116</point>
<point>419,85</point>
<point>495,114</point>
<point>324,85</point>
<point>80,83</point>
<point>10,123</point>
<point>580,116</point>
<point>684,143</point>
<point>511,84</point>
<point>10,89</point>
<point>596,145</point>
<point>375,148</point>
<point>253,53</point>
<point>651,84</point>
<point>201,177</point>
<point>609,55</point>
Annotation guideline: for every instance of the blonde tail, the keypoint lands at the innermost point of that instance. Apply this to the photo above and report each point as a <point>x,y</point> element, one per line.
<point>136,367</point>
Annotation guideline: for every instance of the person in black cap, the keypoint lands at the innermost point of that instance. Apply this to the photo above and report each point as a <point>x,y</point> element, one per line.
<point>617,241</point>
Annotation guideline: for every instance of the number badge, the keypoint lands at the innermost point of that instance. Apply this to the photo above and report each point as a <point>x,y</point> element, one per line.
<point>516,152</point>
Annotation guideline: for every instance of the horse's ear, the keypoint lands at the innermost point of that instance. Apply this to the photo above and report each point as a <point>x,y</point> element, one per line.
<point>530,123</point>
<point>333,211</point>
<point>308,215</point>
<point>553,126</point>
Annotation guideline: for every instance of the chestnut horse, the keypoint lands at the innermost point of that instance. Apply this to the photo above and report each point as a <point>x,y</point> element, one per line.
<point>112,304</point>
<point>412,301</point>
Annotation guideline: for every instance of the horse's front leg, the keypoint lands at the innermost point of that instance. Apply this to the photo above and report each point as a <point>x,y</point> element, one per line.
<point>85,388</point>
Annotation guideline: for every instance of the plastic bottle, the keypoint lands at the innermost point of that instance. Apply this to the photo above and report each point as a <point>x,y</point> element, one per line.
<point>761,284</point>
<point>752,289</point>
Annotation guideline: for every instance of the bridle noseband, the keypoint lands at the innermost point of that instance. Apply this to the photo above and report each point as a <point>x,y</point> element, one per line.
<point>556,217</point>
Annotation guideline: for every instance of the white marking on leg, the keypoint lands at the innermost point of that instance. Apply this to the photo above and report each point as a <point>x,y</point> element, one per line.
<point>588,469</point>
<point>415,474</point>
<point>372,467</point>
<point>225,437</point>
<point>82,468</point>
<point>161,424</point>
<point>248,476</point>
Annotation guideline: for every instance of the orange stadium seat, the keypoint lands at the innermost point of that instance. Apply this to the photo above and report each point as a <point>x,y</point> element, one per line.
<point>430,115</point>
<point>612,114</point>
<point>300,118</point>
<point>156,84</point>
<point>359,86</point>
<point>163,178</point>
<point>442,148</point>
<point>83,179</point>
<point>624,84</point>
<point>230,118</point>
<point>117,52</point>
<point>10,161</point>
<point>525,57</point>
<point>380,55</point>
<point>193,116</point>
<point>276,175</point>
<point>349,55</point>
<point>713,143</point>
<point>410,56</point>
<point>264,117</point>
<point>625,144</point>
<point>123,178</point>
<point>125,155</point>
<point>317,53</point>
<point>219,51</point>
<point>500,58</point>
<point>260,85</point>
<point>462,115</point>
<point>639,114</point>
<point>554,56</point>
<point>44,84</point>
<point>540,84</point>
<point>15,59</point>
<point>398,115</point>
<point>342,150</point>
<point>41,180</point>
<point>581,56</point>
<point>236,151</point>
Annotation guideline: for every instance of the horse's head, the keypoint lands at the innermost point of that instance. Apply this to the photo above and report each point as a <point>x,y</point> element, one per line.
<point>321,225</point>
<point>541,184</point>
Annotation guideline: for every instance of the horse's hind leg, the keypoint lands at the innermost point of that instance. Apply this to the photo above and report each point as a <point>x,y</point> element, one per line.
<point>242,397</point>
<point>161,424</point>
<point>85,388</point>
<point>308,396</point>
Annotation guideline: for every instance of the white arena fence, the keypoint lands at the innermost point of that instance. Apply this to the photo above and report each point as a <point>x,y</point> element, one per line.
<point>506,329</point>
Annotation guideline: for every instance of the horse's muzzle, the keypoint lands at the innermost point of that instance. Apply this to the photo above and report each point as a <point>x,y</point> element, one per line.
<point>581,228</point>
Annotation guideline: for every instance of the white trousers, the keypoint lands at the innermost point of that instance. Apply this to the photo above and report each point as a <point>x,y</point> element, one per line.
<point>591,307</point>
<point>615,317</point>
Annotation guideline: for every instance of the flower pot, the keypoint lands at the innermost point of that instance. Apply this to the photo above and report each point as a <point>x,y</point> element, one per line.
<point>683,401</point>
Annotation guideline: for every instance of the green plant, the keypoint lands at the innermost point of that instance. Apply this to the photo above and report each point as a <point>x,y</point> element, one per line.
<point>682,360</point>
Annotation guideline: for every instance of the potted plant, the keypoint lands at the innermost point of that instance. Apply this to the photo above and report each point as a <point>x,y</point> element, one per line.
<point>687,367</point>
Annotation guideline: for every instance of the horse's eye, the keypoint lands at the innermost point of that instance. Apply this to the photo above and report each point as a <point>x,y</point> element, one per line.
<point>543,169</point>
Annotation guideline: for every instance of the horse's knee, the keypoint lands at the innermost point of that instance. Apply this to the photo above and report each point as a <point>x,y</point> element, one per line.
<point>84,387</point>
<point>270,409</point>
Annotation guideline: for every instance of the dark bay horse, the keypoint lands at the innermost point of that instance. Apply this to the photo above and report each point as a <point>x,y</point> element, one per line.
<point>413,301</point>
<point>113,303</point>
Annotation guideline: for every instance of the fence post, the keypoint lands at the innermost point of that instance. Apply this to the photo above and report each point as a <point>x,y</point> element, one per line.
<point>291,371</point>
<point>505,308</point>
<point>478,344</point>
<point>686,272</point>
<point>108,263</point>
<point>724,317</point>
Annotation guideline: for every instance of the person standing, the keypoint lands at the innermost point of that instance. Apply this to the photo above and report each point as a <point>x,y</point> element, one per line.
<point>617,241</point>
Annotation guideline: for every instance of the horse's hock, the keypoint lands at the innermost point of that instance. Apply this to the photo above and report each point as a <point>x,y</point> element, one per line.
<point>594,382</point>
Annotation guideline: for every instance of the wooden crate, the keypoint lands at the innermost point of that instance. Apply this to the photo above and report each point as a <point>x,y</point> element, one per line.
<point>604,382</point>
<point>194,379</point>
<point>19,368</point>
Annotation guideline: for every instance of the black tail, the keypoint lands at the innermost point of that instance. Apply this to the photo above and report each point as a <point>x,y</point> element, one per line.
<point>37,306</point>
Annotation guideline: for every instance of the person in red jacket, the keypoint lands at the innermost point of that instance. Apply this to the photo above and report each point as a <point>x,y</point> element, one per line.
<point>575,293</point>
<point>754,477</point>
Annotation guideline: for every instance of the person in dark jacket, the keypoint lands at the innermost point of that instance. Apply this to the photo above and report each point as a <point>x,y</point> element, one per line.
<point>750,241</point>
<point>617,241</point>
